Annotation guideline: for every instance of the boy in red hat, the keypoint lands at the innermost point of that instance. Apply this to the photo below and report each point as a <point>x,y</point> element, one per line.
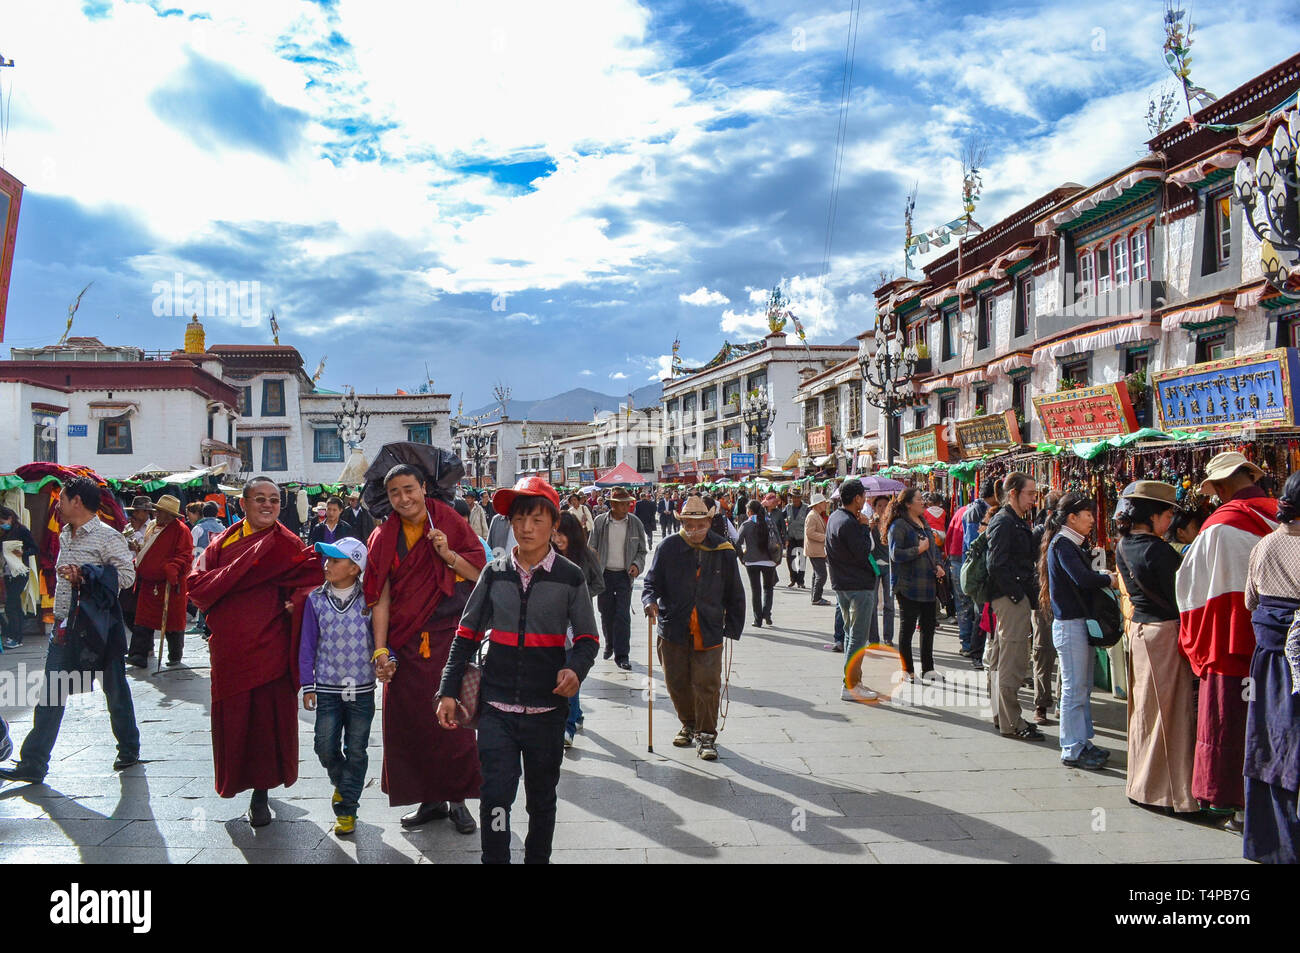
<point>535,604</point>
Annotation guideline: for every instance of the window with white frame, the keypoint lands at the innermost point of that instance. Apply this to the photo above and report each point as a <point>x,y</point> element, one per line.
<point>1024,304</point>
<point>1103,269</point>
<point>1119,260</point>
<point>949,329</point>
<point>984,312</point>
<point>1138,245</point>
<point>1085,274</point>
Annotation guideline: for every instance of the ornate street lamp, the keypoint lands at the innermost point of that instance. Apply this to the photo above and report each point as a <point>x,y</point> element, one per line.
<point>1271,177</point>
<point>757,414</point>
<point>887,367</point>
<point>351,421</point>
<point>549,450</point>
<point>477,439</point>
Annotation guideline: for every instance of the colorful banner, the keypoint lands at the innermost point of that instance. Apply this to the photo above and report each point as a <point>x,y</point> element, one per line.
<point>819,441</point>
<point>987,433</point>
<point>1258,390</point>
<point>926,445</point>
<point>669,469</point>
<point>1086,413</point>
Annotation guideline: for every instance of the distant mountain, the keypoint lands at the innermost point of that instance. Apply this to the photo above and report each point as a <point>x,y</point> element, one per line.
<point>578,404</point>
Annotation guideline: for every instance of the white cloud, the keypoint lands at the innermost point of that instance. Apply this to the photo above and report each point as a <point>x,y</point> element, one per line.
<point>522,316</point>
<point>585,372</point>
<point>702,296</point>
<point>618,376</point>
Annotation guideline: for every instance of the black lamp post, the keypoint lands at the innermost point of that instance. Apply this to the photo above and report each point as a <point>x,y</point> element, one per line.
<point>1271,176</point>
<point>887,366</point>
<point>549,449</point>
<point>757,414</point>
<point>477,440</point>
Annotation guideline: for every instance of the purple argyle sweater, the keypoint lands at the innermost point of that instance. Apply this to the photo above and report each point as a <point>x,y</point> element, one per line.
<point>334,656</point>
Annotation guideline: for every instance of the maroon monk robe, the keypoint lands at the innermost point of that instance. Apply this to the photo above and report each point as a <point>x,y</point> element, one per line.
<point>169,556</point>
<point>423,762</point>
<point>243,587</point>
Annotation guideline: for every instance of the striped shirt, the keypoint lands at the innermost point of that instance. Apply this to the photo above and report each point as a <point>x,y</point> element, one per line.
<point>95,543</point>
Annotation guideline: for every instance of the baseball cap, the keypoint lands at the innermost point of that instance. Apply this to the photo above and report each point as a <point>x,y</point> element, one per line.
<point>528,486</point>
<point>345,548</point>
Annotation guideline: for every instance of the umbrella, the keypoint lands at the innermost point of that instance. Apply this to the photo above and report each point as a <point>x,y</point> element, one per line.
<point>879,486</point>
<point>442,470</point>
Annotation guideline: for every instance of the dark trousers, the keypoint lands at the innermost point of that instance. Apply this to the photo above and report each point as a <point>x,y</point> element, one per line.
<point>142,643</point>
<point>819,576</point>
<point>13,617</point>
<point>507,743</point>
<point>342,734</point>
<point>796,575</point>
<point>762,580</point>
<point>615,606</point>
<point>913,612</point>
<point>48,713</point>
<point>978,637</point>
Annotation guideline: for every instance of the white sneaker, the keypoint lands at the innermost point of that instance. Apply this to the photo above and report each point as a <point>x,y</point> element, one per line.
<point>932,677</point>
<point>568,738</point>
<point>858,694</point>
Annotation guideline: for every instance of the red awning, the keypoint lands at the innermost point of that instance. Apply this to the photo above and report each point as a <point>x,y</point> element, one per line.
<point>621,475</point>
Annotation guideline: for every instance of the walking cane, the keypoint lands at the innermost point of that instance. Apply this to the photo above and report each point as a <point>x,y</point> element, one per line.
<point>650,685</point>
<point>162,636</point>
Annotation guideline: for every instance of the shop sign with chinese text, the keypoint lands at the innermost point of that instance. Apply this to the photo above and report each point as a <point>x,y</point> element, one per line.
<point>1086,413</point>
<point>987,433</point>
<point>1258,390</point>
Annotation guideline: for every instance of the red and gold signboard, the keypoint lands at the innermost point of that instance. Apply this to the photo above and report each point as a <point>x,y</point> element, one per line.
<point>1085,414</point>
<point>987,433</point>
<point>819,441</point>
<point>926,445</point>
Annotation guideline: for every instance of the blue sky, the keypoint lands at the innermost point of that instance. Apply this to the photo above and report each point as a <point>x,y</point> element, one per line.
<point>544,194</point>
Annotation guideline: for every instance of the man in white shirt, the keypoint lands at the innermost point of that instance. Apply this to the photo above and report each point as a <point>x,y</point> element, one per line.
<point>620,545</point>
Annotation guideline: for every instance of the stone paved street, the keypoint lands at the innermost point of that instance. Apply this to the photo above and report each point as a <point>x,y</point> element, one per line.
<point>803,776</point>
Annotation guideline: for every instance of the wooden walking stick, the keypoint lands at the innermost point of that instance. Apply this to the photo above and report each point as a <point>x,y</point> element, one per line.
<point>650,685</point>
<point>162,636</point>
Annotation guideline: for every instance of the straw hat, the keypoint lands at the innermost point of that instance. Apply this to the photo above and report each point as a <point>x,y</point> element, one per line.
<point>1151,490</point>
<point>169,504</point>
<point>816,498</point>
<point>694,509</point>
<point>1224,465</point>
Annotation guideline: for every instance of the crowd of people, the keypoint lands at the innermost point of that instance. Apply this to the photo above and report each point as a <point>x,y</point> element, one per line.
<point>412,597</point>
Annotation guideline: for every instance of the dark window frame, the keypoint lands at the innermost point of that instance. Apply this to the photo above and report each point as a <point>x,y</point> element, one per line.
<point>984,331</point>
<point>1071,364</point>
<point>245,447</point>
<point>266,398</point>
<point>104,424</point>
<point>413,431</point>
<point>982,394</point>
<point>1023,309</point>
<point>267,444</point>
<point>245,400</point>
<point>317,455</point>
<point>947,407</point>
<point>949,327</point>
<point>645,459</point>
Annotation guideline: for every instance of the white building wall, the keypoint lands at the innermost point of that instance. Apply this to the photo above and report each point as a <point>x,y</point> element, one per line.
<point>18,434</point>
<point>390,420</point>
<point>166,432</point>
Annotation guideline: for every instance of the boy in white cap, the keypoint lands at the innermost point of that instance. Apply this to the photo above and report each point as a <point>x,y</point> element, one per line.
<point>336,668</point>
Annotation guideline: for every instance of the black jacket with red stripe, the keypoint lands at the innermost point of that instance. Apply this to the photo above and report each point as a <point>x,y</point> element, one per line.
<point>527,631</point>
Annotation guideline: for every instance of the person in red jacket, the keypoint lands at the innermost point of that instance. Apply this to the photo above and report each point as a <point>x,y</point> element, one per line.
<point>161,569</point>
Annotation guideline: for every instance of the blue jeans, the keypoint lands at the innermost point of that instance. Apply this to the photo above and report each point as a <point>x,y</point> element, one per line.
<point>342,735</point>
<point>1078,658</point>
<point>858,606</point>
<point>966,620</point>
<point>48,714</point>
<point>575,714</point>
<point>884,599</point>
<point>839,624</point>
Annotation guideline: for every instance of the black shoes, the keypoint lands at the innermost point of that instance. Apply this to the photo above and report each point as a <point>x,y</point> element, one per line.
<point>21,775</point>
<point>259,810</point>
<point>609,651</point>
<point>624,664</point>
<point>137,661</point>
<point>463,819</point>
<point>820,602</point>
<point>429,811</point>
<point>758,623</point>
<point>769,621</point>
<point>125,761</point>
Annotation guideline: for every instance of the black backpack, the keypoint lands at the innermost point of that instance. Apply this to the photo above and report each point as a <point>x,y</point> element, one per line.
<point>1105,611</point>
<point>975,571</point>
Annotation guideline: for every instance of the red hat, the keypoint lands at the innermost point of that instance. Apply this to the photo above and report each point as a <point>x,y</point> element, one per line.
<point>528,486</point>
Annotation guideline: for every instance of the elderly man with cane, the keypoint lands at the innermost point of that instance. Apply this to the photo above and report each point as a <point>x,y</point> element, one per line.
<point>694,595</point>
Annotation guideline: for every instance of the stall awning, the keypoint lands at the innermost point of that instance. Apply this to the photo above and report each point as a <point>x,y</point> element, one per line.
<point>621,475</point>
<point>1173,320</point>
<point>189,476</point>
<point>1125,333</point>
<point>974,278</point>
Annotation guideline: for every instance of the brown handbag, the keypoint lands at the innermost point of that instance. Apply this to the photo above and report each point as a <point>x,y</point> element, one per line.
<point>467,704</point>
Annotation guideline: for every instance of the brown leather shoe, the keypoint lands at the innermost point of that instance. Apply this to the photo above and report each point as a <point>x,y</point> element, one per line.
<point>1040,716</point>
